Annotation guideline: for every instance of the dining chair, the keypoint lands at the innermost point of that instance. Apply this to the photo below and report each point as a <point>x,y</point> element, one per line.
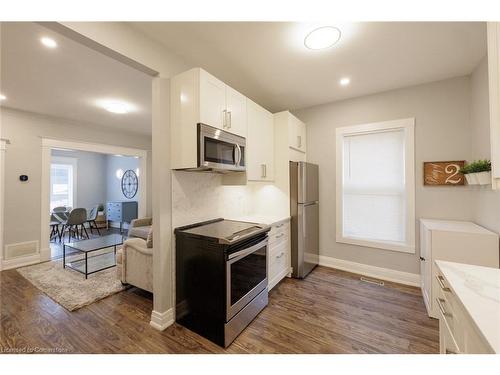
<point>91,220</point>
<point>77,217</point>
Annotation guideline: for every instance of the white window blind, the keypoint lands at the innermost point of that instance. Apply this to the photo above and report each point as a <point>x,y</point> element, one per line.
<point>62,182</point>
<point>376,189</point>
<point>374,186</point>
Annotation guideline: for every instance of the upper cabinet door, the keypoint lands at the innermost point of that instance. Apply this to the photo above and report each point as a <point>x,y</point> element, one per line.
<point>260,143</point>
<point>236,115</point>
<point>212,100</point>
<point>296,134</point>
<point>494,97</point>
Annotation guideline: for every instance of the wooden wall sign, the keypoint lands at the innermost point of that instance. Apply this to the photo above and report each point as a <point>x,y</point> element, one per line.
<point>443,173</point>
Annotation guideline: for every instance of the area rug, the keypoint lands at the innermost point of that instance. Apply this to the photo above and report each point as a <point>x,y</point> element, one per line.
<point>69,288</point>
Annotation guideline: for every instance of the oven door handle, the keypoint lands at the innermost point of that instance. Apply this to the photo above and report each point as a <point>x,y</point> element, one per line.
<point>243,253</point>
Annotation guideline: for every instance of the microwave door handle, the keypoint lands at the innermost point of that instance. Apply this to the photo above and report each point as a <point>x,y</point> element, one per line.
<point>235,152</point>
<point>239,155</point>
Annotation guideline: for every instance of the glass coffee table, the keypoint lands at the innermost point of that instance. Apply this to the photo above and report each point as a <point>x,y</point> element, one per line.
<point>93,263</point>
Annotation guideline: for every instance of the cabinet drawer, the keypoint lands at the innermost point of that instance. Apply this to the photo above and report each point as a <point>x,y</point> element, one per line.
<point>447,344</point>
<point>278,260</point>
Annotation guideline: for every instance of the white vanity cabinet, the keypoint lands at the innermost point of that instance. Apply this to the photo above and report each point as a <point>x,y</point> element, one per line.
<point>260,143</point>
<point>279,252</point>
<point>196,96</point>
<point>455,241</point>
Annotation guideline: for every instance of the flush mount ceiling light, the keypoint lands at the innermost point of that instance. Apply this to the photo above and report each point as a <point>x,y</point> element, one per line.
<point>345,81</point>
<point>116,106</point>
<point>48,42</point>
<point>322,37</point>
<point>2,97</point>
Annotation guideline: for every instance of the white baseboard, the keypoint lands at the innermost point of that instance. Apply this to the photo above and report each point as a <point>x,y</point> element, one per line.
<point>387,274</point>
<point>20,262</point>
<point>161,321</point>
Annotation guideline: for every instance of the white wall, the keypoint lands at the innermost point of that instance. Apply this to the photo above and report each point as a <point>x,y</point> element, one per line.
<point>442,132</point>
<point>486,200</point>
<point>23,156</point>
<point>91,177</point>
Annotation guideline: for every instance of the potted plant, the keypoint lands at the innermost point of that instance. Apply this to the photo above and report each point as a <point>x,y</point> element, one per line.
<point>478,172</point>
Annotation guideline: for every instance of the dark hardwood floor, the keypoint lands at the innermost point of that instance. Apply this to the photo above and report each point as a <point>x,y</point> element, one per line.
<point>330,312</point>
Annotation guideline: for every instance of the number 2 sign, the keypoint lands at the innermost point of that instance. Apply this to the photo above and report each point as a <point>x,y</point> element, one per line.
<point>443,173</point>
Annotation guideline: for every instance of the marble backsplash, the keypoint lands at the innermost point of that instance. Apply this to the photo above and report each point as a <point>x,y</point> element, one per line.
<point>200,196</point>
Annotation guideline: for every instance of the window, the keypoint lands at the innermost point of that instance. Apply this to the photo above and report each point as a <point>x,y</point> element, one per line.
<point>62,182</point>
<point>376,185</point>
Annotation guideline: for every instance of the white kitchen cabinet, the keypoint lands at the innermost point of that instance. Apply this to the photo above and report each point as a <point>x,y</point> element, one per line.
<point>455,241</point>
<point>468,315</point>
<point>236,107</point>
<point>279,252</point>
<point>493,29</point>
<point>212,100</point>
<point>260,143</point>
<point>296,134</point>
<point>196,96</point>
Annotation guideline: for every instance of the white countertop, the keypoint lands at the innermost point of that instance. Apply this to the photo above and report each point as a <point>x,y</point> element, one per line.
<point>478,289</point>
<point>456,226</point>
<point>260,219</point>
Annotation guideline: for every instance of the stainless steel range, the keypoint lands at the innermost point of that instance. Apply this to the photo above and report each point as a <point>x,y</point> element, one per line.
<point>221,277</point>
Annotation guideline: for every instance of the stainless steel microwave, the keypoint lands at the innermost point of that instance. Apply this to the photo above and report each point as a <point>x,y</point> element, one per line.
<point>220,151</point>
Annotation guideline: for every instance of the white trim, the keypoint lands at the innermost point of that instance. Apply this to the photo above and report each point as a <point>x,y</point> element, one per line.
<point>3,143</point>
<point>93,147</point>
<point>63,160</point>
<point>161,321</point>
<point>50,143</point>
<point>408,125</point>
<point>387,274</point>
<point>21,261</point>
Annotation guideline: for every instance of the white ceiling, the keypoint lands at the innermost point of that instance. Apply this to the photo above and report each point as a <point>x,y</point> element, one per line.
<point>267,61</point>
<point>66,81</point>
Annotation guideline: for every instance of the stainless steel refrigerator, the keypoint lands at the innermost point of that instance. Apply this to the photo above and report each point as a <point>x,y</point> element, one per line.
<point>304,210</point>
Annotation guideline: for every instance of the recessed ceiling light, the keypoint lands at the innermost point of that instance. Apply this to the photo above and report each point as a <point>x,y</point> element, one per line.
<point>345,81</point>
<point>322,37</point>
<point>2,97</point>
<point>48,42</point>
<point>116,106</point>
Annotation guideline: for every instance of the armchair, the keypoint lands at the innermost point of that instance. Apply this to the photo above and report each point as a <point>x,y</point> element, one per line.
<point>134,264</point>
<point>140,228</point>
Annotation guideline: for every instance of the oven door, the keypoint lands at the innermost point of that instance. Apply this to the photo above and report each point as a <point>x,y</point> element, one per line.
<point>246,276</point>
<point>220,150</point>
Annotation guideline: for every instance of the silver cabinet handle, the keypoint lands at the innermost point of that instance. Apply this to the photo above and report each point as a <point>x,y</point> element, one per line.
<point>224,119</point>
<point>441,307</point>
<point>281,254</point>
<point>440,280</point>
<point>280,225</point>
<point>280,235</point>
<point>230,123</point>
<point>299,141</point>
<point>263,170</point>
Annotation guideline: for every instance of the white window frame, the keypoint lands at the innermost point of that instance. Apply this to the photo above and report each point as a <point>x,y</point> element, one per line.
<point>67,161</point>
<point>408,125</point>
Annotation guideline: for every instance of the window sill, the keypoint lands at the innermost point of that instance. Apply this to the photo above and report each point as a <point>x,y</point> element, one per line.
<point>402,248</point>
